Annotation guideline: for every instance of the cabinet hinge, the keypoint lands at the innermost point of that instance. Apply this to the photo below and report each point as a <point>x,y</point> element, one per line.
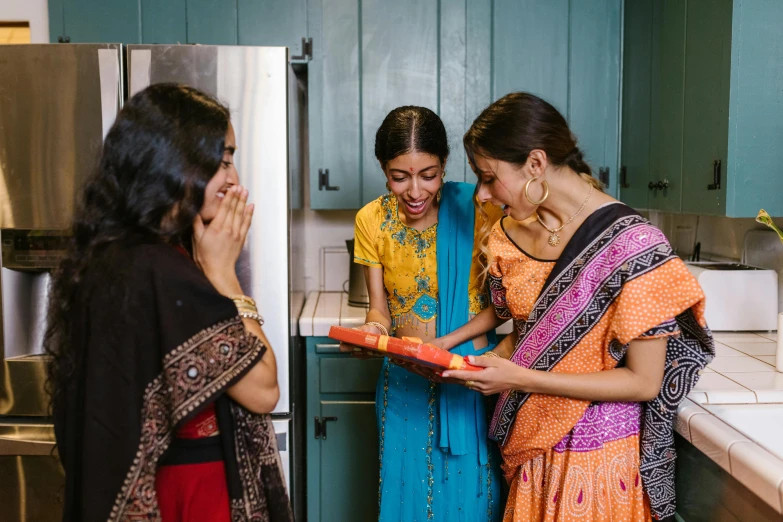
<point>307,50</point>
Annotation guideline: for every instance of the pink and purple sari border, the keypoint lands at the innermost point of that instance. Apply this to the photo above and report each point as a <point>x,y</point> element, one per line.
<point>571,304</point>
<point>602,423</point>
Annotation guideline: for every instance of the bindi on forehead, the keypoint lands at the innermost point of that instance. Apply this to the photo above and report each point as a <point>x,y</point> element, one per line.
<point>410,168</point>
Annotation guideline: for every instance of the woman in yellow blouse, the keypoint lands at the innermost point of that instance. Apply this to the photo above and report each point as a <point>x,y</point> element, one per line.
<point>423,274</point>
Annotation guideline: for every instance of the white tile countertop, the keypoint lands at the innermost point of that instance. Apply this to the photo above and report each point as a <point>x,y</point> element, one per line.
<point>734,415</point>
<point>325,309</point>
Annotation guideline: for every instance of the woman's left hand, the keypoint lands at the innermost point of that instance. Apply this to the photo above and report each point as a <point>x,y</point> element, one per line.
<point>498,375</point>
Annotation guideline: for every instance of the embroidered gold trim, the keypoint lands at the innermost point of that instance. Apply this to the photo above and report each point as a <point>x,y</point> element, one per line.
<point>192,374</point>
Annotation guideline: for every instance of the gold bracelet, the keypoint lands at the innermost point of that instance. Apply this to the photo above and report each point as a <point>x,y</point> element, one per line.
<point>243,299</point>
<point>490,353</point>
<point>244,307</point>
<point>379,326</point>
<point>255,316</point>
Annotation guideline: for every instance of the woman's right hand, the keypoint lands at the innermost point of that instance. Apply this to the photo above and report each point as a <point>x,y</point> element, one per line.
<point>358,351</point>
<point>217,245</point>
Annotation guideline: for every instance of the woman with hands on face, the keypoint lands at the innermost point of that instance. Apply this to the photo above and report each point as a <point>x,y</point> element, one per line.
<point>161,375</point>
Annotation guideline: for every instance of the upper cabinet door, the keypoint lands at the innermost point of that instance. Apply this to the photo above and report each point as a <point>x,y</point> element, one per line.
<point>666,117</point>
<point>530,49</point>
<point>164,22</point>
<point>273,23</point>
<point>368,58</point>
<point>101,21</point>
<point>594,84</point>
<point>334,105</point>
<point>705,133</point>
<point>399,66</point>
<point>754,173</point>
<point>637,59</point>
<point>212,22</point>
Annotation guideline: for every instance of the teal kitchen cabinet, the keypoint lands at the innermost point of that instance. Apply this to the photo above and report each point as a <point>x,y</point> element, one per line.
<point>637,62</point>
<point>667,106</point>
<point>208,22</point>
<point>369,56</point>
<point>594,84</point>
<point>274,23</point>
<point>569,54</point>
<point>454,57</point>
<point>705,134</point>
<point>164,21</point>
<point>212,22</point>
<point>702,107</point>
<point>342,434</point>
<point>88,21</point>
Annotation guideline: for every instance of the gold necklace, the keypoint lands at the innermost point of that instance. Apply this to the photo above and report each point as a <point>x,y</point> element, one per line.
<point>554,238</point>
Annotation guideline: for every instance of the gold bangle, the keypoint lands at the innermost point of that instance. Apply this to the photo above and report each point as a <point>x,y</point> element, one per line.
<point>243,307</point>
<point>243,299</point>
<point>490,353</point>
<point>379,326</point>
<point>255,316</point>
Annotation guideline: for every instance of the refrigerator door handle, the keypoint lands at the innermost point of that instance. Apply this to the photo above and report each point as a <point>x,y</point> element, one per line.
<point>20,446</point>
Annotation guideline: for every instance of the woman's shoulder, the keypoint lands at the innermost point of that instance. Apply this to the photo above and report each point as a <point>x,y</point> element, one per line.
<point>375,209</point>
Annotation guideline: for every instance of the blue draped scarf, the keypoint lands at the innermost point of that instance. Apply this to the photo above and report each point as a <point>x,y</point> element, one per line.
<point>463,423</point>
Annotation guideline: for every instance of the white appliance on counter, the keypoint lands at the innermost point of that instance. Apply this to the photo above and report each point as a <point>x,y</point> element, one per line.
<point>739,297</point>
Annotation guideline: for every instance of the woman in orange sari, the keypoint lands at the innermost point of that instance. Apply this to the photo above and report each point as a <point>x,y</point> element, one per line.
<point>609,328</point>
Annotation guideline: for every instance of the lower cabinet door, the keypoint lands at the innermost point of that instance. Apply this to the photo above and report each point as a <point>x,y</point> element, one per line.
<point>349,462</point>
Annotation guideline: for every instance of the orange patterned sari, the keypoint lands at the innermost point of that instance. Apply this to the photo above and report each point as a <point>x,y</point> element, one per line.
<point>618,280</point>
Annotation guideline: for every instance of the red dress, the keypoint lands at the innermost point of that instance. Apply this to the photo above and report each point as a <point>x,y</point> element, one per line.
<point>195,492</point>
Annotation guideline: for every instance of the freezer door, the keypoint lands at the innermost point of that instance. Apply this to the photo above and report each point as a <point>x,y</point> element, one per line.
<point>283,432</point>
<point>31,478</point>
<point>253,82</point>
<point>57,103</point>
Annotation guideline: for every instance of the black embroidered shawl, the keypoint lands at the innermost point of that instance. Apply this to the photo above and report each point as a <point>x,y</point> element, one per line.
<point>157,343</point>
<point>614,246</point>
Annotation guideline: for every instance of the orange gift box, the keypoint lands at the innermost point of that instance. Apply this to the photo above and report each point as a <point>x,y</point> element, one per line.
<point>408,349</point>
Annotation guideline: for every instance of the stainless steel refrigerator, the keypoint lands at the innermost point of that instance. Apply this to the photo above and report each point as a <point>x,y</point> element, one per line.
<point>57,102</point>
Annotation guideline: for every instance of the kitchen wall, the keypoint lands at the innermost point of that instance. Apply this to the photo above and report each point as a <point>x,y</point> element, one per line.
<point>327,260</point>
<point>721,238</point>
<point>34,11</point>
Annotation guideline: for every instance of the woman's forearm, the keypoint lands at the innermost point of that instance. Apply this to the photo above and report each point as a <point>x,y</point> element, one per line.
<point>639,380</point>
<point>376,316</point>
<point>482,323</point>
<point>258,390</point>
<point>505,348</point>
<point>617,385</point>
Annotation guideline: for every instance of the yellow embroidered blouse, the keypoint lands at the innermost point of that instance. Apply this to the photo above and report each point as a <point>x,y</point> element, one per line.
<point>408,259</point>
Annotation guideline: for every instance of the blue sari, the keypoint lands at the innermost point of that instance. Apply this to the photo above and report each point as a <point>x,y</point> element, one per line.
<point>437,463</point>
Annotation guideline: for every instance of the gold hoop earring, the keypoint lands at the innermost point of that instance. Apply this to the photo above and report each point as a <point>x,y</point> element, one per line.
<point>546,191</point>
<point>388,187</point>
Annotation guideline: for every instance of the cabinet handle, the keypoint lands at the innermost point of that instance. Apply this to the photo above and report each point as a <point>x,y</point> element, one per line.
<point>623,177</point>
<point>662,184</point>
<point>652,186</point>
<point>716,165</point>
<point>320,426</point>
<point>323,180</point>
<point>603,175</point>
<point>63,39</point>
<point>327,348</point>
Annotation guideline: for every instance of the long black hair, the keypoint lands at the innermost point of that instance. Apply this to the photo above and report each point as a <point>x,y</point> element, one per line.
<point>157,159</point>
<point>411,129</point>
